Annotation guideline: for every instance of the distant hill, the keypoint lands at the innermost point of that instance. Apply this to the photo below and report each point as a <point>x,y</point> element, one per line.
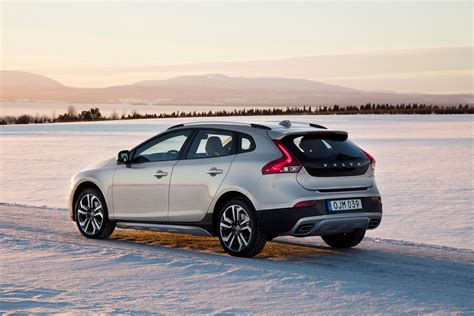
<point>210,89</point>
<point>219,81</point>
<point>20,79</point>
<point>446,70</point>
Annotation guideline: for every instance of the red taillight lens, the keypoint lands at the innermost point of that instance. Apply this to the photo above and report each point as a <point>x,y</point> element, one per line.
<point>286,164</point>
<point>305,203</point>
<point>371,158</point>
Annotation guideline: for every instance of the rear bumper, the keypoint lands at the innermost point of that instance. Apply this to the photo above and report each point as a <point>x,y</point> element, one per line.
<point>318,220</point>
<point>335,223</point>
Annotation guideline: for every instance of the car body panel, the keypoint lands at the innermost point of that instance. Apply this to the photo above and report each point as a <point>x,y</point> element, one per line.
<point>99,175</point>
<point>139,194</point>
<point>192,189</point>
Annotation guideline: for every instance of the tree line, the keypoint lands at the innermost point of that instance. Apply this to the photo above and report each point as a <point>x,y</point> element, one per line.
<point>94,114</point>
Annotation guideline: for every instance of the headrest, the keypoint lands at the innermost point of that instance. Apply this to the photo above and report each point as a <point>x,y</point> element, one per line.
<point>214,146</point>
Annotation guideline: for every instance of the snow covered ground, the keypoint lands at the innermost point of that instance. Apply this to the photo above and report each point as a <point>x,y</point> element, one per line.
<point>424,166</point>
<point>420,260</point>
<point>47,266</point>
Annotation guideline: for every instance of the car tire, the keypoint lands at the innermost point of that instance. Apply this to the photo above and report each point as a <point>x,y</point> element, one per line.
<point>345,240</point>
<point>91,214</point>
<point>238,229</point>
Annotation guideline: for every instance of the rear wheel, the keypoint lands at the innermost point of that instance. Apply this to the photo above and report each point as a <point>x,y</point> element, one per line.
<point>345,240</point>
<point>92,217</point>
<point>239,231</point>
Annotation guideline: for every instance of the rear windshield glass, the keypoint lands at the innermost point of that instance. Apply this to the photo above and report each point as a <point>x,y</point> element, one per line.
<point>315,148</point>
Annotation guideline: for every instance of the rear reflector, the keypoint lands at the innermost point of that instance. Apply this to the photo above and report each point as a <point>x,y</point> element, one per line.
<point>376,200</point>
<point>305,203</point>
<point>286,164</point>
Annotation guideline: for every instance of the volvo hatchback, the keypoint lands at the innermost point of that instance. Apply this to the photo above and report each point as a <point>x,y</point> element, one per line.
<point>244,183</point>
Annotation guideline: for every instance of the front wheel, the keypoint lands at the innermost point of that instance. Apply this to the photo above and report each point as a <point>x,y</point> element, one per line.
<point>92,217</point>
<point>345,240</point>
<point>239,231</point>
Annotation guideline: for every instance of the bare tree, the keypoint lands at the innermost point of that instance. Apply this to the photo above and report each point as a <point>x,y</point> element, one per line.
<point>71,111</point>
<point>114,115</point>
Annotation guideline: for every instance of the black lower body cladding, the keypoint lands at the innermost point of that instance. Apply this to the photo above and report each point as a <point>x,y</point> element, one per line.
<point>279,221</point>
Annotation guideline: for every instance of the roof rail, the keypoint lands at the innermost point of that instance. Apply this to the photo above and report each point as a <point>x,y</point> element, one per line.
<point>175,126</point>
<point>218,122</point>
<point>260,126</point>
<point>317,126</point>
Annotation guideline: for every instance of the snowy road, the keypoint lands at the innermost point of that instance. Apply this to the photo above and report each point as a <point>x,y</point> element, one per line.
<point>46,266</point>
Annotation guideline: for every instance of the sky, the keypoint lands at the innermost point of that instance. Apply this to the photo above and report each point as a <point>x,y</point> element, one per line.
<point>73,41</point>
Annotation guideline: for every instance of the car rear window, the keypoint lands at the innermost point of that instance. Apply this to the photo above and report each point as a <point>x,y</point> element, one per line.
<point>312,147</point>
<point>327,155</point>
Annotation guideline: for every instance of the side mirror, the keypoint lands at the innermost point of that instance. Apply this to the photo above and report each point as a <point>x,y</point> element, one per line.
<point>124,156</point>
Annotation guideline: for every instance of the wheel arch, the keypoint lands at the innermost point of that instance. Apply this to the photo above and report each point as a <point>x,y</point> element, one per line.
<point>87,184</point>
<point>222,200</point>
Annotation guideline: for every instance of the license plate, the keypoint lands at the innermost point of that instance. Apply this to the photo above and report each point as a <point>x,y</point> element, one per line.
<point>344,205</point>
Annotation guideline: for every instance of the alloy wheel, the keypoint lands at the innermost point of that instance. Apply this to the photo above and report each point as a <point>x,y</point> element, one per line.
<point>235,229</point>
<point>90,214</point>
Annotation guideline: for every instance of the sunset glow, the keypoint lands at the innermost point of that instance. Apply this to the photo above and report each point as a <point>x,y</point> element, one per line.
<point>90,44</point>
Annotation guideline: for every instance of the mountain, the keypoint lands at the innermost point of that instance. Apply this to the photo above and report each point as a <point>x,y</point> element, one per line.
<point>219,81</point>
<point>442,70</point>
<point>212,89</point>
<point>20,79</point>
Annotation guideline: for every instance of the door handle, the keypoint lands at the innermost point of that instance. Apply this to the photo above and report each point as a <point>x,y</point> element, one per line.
<point>160,174</point>
<point>213,171</point>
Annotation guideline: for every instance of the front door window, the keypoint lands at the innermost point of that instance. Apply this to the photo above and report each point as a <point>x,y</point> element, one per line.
<point>164,148</point>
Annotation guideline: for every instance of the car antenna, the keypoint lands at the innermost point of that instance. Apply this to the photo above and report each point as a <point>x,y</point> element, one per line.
<point>285,123</point>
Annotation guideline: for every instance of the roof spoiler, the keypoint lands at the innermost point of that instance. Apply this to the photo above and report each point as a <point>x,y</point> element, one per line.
<point>332,135</point>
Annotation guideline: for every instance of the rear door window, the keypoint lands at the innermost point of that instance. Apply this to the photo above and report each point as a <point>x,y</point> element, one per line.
<point>246,143</point>
<point>212,143</point>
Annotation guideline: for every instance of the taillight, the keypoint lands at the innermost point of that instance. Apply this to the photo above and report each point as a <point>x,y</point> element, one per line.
<point>371,158</point>
<point>286,164</point>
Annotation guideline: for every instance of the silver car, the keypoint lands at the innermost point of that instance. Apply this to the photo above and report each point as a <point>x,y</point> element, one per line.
<point>245,183</point>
